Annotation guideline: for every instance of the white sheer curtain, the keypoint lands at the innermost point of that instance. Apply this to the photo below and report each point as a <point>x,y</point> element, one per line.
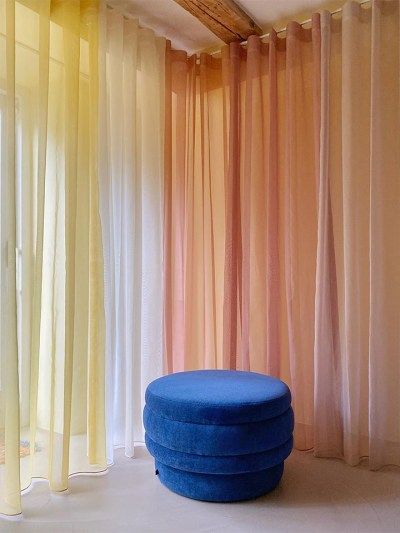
<point>131,175</point>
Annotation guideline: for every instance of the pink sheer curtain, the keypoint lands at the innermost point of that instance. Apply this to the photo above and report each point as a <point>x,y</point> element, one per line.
<point>282,194</point>
<point>357,334</point>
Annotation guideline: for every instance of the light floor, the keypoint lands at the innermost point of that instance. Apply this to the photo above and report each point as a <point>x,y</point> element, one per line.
<point>315,495</point>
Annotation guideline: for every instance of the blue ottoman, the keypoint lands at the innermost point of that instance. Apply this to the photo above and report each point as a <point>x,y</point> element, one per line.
<point>219,435</point>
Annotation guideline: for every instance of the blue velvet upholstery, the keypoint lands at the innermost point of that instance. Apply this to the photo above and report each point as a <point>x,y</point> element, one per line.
<point>219,435</point>
<point>220,487</point>
<point>218,397</point>
<point>212,439</point>
<point>223,464</point>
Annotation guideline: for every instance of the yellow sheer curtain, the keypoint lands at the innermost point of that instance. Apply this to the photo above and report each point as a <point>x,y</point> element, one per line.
<point>52,313</point>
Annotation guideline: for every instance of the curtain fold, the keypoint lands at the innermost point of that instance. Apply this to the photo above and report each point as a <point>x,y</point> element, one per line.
<point>52,419</point>
<point>281,209</point>
<point>132,64</point>
<point>194,219</point>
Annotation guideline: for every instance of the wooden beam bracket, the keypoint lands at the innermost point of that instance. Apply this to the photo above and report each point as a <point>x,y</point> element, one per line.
<point>224,18</point>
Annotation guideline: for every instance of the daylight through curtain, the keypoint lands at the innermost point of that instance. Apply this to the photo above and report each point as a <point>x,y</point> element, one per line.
<point>52,314</point>
<point>131,176</point>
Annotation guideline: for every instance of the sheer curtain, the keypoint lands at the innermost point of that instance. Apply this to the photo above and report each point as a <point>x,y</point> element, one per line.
<point>357,342</point>
<point>52,315</point>
<point>240,196</point>
<point>282,197</point>
<point>131,173</point>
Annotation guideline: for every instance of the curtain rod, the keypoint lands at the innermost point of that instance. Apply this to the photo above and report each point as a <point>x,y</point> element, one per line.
<point>282,30</point>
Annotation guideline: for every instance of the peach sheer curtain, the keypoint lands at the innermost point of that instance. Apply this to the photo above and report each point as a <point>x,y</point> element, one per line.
<point>282,194</point>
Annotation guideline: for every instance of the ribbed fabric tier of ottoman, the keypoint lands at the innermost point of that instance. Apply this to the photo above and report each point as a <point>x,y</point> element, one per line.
<point>219,435</point>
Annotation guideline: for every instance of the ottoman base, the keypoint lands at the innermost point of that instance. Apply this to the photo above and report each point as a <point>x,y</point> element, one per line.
<point>220,487</point>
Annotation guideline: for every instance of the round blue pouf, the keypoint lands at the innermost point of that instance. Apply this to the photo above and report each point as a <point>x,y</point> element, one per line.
<point>219,435</point>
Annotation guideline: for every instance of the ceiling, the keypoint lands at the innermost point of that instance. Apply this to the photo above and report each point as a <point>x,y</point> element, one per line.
<point>170,20</point>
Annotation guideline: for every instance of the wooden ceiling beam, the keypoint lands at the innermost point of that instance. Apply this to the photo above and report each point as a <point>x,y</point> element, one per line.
<point>223,17</point>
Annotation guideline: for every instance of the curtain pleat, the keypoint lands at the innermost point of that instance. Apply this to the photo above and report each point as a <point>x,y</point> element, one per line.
<point>44,56</point>
<point>271,328</point>
<point>307,253</point>
<point>328,434</point>
<point>233,263</point>
<point>63,388</point>
<point>96,322</point>
<point>11,502</point>
<point>356,97</point>
<point>175,190</point>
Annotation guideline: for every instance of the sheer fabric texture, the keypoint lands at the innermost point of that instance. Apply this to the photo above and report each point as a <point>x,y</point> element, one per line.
<point>52,316</point>
<point>357,341</point>
<point>282,194</point>
<point>240,196</point>
<point>131,173</point>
